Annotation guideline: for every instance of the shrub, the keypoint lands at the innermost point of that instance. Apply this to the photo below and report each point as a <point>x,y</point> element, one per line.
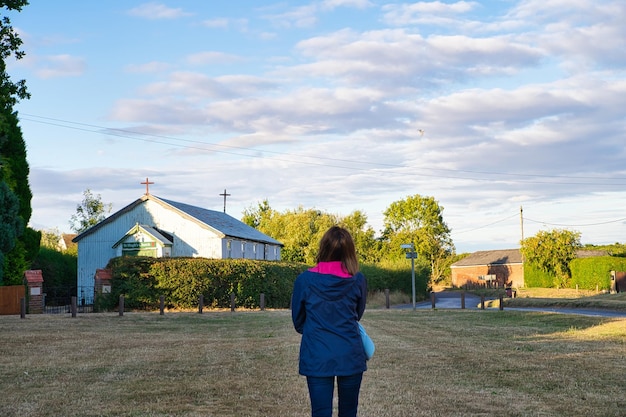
<point>588,273</point>
<point>397,277</point>
<point>59,271</point>
<point>181,281</point>
<point>534,277</point>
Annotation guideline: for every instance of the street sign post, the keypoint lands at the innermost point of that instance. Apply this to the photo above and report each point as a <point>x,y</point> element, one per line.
<point>412,255</point>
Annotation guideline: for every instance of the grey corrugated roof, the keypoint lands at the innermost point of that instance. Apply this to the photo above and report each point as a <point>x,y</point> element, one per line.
<point>222,222</point>
<point>511,256</point>
<point>590,253</point>
<point>491,257</point>
<point>216,220</point>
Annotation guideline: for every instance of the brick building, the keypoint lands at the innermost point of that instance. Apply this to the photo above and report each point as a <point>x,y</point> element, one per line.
<point>497,268</point>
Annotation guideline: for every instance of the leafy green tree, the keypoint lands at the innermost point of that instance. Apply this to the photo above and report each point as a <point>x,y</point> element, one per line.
<point>551,251</point>
<point>59,270</point>
<point>300,230</point>
<point>10,43</point>
<point>13,163</point>
<point>50,238</point>
<point>90,212</point>
<point>259,216</point>
<point>419,220</point>
<point>367,247</point>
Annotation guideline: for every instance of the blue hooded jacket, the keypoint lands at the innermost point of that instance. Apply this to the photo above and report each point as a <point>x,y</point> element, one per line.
<point>325,310</point>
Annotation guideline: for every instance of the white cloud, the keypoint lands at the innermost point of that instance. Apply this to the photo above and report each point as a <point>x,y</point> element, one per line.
<point>212,57</point>
<point>358,4</point>
<point>148,67</point>
<point>424,12</point>
<point>226,23</point>
<point>156,11</point>
<point>60,66</point>
<point>220,22</point>
<point>295,17</point>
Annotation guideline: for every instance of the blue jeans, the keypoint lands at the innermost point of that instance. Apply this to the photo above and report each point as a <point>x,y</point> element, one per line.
<point>321,391</point>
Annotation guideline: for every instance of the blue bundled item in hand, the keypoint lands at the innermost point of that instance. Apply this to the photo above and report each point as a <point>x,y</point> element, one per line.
<point>368,344</point>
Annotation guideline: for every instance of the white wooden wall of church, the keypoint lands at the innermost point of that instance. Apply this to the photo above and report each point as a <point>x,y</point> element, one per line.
<point>190,239</point>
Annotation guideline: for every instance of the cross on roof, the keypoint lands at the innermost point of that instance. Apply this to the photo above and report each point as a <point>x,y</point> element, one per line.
<point>147,183</point>
<point>225,195</point>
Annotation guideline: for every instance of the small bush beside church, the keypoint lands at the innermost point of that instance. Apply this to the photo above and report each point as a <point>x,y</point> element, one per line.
<point>143,280</point>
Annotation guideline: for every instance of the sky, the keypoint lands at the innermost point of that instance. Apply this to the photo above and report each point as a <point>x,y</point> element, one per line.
<point>510,113</point>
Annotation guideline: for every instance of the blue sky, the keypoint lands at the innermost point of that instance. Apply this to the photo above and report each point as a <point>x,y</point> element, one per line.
<point>338,105</point>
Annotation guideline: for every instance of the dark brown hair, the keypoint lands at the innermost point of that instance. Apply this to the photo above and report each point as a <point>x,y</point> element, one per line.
<point>337,245</point>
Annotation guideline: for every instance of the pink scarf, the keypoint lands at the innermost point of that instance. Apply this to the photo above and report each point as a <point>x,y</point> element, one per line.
<point>331,268</point>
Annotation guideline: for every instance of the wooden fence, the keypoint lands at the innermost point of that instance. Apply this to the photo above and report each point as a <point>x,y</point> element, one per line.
<point>10,299</point>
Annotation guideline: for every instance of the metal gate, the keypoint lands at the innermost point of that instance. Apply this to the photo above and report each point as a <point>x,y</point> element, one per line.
<point>59,300</point>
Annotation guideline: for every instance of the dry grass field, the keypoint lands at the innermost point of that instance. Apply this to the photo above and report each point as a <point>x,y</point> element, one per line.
<point>427,363</point>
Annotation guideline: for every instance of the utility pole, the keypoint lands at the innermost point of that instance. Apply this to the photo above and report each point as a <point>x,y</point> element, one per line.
<point>521,220</point>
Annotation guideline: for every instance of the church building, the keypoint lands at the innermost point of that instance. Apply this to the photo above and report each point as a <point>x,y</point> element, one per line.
<point>156,227</point>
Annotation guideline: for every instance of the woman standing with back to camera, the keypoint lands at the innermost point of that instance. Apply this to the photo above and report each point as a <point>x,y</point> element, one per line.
<point>327,302</point>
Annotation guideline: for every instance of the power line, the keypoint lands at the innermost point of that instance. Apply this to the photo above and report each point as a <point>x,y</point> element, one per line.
<point>576,225</point>
<point>540,222</point>
<point>487,225</point>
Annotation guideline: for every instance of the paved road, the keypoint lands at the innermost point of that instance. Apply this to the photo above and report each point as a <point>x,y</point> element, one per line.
<point>446,299</point>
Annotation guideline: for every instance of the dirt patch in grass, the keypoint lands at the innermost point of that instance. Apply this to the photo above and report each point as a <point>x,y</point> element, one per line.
<point>427,363</point>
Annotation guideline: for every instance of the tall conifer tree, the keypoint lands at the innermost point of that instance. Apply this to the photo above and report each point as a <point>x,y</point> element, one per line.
<point>21,244</point>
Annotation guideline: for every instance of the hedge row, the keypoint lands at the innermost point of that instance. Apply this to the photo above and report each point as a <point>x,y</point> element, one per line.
<point>534,277</point>
<point>397,279</point>
<point>588,273</point>
<point>181,281</point>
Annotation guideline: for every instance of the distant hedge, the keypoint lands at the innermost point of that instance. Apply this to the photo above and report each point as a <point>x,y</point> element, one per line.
<point>534,277</point>
<point>397,279</point>
<point>143,280</point>
<point>588,273</point>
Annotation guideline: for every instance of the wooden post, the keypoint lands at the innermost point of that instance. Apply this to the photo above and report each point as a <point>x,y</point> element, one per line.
<point>482,302</point>
<point>387,298</point>
<point>501,302</point>
<point>161,305</point>
<point>432,299</point>
<point>262,302</point>
<point>232,302</point>
<point>462,300</point>
<point>23,307</point>
<point>200,303</point>
<point>121,305</point>
<point>73,307</point>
